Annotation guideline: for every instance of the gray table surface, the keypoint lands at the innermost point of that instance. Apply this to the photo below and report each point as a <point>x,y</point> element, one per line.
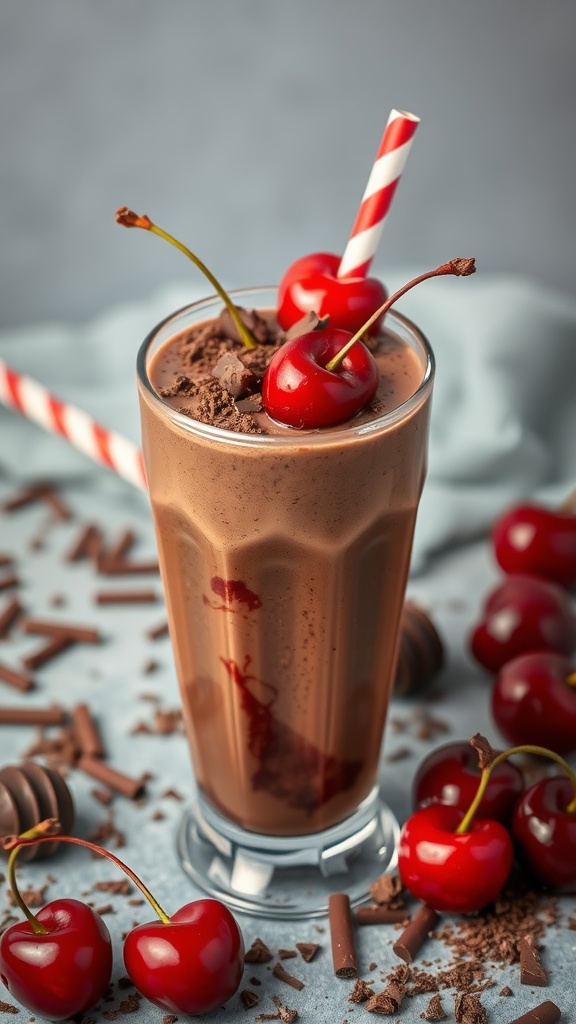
<point>113,679</point>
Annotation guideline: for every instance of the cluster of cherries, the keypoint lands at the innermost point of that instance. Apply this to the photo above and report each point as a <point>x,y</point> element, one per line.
<point>528,633</point>
<point>323,377</point>
<point>58,963</point>
<point>474,816</point>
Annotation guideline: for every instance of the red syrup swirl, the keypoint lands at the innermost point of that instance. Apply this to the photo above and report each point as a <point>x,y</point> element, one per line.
<point>290,767</point>
<point>234,594</point>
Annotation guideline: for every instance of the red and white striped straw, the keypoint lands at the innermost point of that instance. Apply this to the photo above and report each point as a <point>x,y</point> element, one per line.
<point>36,403</point>
<point>376,201</point>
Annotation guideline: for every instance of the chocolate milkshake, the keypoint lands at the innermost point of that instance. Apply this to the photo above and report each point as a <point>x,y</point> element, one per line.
<point>284,556</point>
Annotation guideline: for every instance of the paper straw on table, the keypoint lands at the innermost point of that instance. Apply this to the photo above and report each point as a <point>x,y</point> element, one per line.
<point>376,201</point>
<point>36,403</point>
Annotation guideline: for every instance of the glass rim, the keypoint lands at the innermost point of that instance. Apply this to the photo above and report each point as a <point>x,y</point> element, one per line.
<point>298,437</point>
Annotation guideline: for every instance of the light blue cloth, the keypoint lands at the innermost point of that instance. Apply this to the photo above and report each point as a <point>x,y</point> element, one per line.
<point>504,409</point>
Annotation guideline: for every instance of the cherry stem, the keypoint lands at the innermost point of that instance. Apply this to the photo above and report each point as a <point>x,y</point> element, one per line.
<point>458,267</point>
<point>33,836</point>
<point>525,749</point>
<point>129,219</point>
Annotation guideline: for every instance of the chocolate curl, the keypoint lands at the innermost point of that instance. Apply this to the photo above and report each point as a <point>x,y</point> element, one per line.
<point>485,752</point>
<point>48,827</point>
<point>415,934</point>
<point>342,936</point>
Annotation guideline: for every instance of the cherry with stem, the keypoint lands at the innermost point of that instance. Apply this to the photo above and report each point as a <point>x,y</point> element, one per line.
<point>164,959</point>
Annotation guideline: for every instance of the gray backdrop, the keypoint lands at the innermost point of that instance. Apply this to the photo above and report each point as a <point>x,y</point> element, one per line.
<point>248,127</point>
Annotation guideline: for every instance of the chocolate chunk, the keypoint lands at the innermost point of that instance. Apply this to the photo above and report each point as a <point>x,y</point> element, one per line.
<point>342,936</point>
<point>469,1010</point>
<point>389,1001</point>
<point>237,380</point>
<point>225,327</point>
<point>506,991</point>
<point>307,950</point>
<point>361,992</point>
<point>434,1010</point>
<point>289,979</point>
<point>258,953</point>
<point>531,968</point>
<point>248,999</point>
<point>415,934</point>
<point>386,889</point>
<point>545,1013</point>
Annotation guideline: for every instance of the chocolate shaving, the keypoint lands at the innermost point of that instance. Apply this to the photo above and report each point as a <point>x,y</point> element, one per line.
<point>485,752</point>
<point>32,716</point>
<point>308,323</point>
<point>61,630</point>
<point>289,979</point>
<point>248,998</point>
<point>87,734</point>
<point>115,780</point>
<point>307,950</point>
<point>234,377</point>
<point>8,616</point>
<point>86,545</point>
<point>18,680</point>
<point>46,652</point>
<point>531,968</point>
<point>287,954</point>
<point>285,1014</point>
<point>389,1001</point>
<point>386,890</point>
<point>158,631</point>
<point>415,934</point>
<point>126,597</point>
<point>258,953</point>
<point>8,1007</point>
<point>342,936</point>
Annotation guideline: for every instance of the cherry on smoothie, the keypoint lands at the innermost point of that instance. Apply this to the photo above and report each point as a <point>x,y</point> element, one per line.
<point>544,827</point>
<point>537,541</point>
<point>534,701</point>
<point>523,614</point>
<point>312,383</point>
<point>312,283</point>
<point>450,775</point>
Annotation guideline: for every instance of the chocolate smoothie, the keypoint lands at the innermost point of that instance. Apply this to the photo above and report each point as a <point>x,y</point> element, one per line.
<point>284,557</point>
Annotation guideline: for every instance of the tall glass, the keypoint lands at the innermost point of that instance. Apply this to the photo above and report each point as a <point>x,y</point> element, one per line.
<point>284,559</point>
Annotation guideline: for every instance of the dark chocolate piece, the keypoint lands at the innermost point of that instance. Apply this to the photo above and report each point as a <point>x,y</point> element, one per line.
<point>19,680</point>
<point>48,650</point>
<point>126,597</point>
<point>361,992</point>
<point>258,953</point>
<point>86,730</point>
<point>342,936</point>
<point>66,630</point>
<point>307,950</point>
<point>236,378</point>
<point>8,615</point>
<point>115,780</point>
<point>309,322</point>
<point>386,890</point>
<point>545,1013</point>
<point>415,934</point>
<point>381,915</point>
<point>434,1011</point>
<point>32,716</point>
<point>531,968</point>
<point>289,979</point>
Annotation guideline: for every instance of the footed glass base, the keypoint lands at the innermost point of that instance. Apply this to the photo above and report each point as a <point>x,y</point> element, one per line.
<point>288,876</point>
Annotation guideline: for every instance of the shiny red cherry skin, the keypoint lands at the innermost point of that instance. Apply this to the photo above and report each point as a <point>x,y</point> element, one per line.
<point>533,702</point>
<point>523,614</point>
<point>452,873</point>
<point>299,391</point>
<point>450,775</point>
<point>192,965</point>
<point>64,971</point>
<point>545,833</point>
<point>537,541</point>
<point>312,283</point>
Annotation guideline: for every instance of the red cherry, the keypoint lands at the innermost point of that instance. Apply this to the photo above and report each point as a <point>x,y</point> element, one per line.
<point>311,283</point>
<point>523,614</point>
<point>450,775</point>
<point>298,389</point>
<point>546,833</point>
<point>537,541</point>
<point>192,965</point>
<point>63,971</point>
<point>453,873</point>
<point>533,702</point>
